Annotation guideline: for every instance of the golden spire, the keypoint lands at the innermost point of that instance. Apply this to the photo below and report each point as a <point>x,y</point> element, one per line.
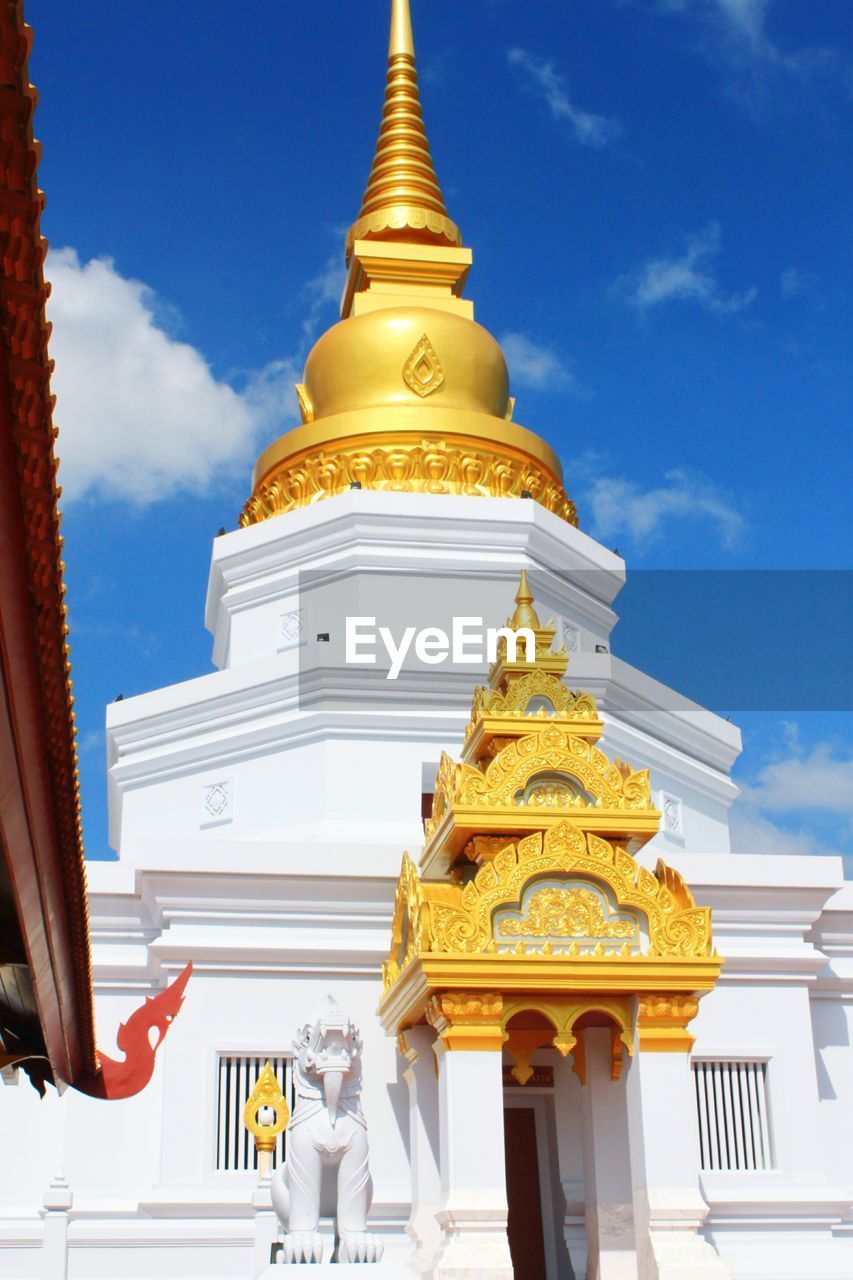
<point>402,200</point>
<point>407,393</point>
<point>525,615</point>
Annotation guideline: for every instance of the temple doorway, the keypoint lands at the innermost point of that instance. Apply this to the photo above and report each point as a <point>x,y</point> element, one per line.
<point>525,1228</point>
<point>535,1234</point>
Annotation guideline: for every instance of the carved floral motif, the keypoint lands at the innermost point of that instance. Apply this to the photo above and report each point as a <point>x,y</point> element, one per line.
<point>566,913</point>
<point>445,918</point>
<point>428,466</point>
<point>662,1022</point>
<point>464,1006</point>
<point>664,1008</point>
<point>534,685</point>
<point>549,750</point>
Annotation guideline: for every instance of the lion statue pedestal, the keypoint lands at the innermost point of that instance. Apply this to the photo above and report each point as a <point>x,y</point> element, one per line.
<point>326,1172</point>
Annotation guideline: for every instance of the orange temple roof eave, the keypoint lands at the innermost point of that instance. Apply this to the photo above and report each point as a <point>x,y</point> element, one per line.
<point>43,874</point>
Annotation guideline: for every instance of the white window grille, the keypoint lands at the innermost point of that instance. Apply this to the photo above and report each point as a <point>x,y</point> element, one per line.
<point>237,1076</point>
<point>734,1129</point>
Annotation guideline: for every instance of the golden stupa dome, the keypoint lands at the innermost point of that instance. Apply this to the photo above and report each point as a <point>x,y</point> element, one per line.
<point>407,393</point>
<point>402,356</point>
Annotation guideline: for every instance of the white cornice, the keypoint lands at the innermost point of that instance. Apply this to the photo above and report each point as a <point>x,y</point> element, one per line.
<point>228,716</point>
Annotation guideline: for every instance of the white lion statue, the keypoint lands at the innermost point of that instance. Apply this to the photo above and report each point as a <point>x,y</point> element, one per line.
<point>325,1171</point>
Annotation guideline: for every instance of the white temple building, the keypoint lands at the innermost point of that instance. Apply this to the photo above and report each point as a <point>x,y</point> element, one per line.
<point>571,1070</point>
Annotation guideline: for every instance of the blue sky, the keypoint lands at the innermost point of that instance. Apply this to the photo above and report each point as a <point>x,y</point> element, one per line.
<point>658,196</point>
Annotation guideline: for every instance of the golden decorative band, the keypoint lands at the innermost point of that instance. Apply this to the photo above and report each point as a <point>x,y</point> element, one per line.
<point>403,217</point>
<point>432,465</point>
<point>468,1020</point>
<point>662,1023</point>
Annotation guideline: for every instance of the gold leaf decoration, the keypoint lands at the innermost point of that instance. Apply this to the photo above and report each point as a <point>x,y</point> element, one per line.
<point>430,465</point>
<point>446,918</point>
<point>423,372</point>
<point>566,912</point>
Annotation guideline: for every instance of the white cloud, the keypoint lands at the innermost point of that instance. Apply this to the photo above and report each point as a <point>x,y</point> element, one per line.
<point>535,366</point>
<point>746,16</point>
<point>323,291</point>
<point>797,789</point>
<point>796,283</point>
<point>751,832</point>
<point>689,277</point>
<point>140,414</point>
<point>619,507</point>
<point>90,742</point>
<point>820,779</point>
<point>738,30</point>
<point>588,129</point>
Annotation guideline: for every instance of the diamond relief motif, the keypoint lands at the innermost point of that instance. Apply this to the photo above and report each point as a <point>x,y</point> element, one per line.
<point>423,372</point>
<point>216,799</point>
<point>571,637</point>
<point>290,628</point>
<point>216,802</point>
<point>673,818</point>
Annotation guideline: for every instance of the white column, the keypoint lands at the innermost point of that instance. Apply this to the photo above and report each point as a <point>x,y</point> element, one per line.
<point>473,1213</point>
<point>266,1225</point>
<point>57,1201</point>
<point>607,1187</point>
<point>664,1141</point>
<point>422,1079</point>
<point>567,1102</point>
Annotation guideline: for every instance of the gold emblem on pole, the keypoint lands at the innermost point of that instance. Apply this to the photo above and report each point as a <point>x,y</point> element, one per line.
<point>423,372</point>
<point>266,1094</point>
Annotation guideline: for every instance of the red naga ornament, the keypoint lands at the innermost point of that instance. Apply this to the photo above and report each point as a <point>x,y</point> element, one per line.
<point>124,1079</point>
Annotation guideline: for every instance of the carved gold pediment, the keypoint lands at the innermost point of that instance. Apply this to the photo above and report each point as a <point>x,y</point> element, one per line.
<point>530,702</point>
<point>553,912</point>
<point>549,749</point>
<point>534,685</point>
<point>561,892</point>
<point>530,784</point>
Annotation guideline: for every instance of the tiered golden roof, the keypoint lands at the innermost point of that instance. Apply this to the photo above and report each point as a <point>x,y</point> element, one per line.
<point>530,759</point>
<point>528,918</point>
<point>407,393</point>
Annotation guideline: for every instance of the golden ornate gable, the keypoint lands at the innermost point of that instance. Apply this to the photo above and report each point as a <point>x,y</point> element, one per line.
<point>485,916</point>
<point>530,919</point>
<point>530,783</point>
<point>562,925</point>
<point>535,695</point>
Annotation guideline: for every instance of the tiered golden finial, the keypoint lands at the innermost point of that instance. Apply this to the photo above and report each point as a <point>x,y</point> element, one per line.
<point>402,197</point>
<point>407,394</point>
<point>530,760</point>
<point>528,919</point>
<point>525,615</point>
